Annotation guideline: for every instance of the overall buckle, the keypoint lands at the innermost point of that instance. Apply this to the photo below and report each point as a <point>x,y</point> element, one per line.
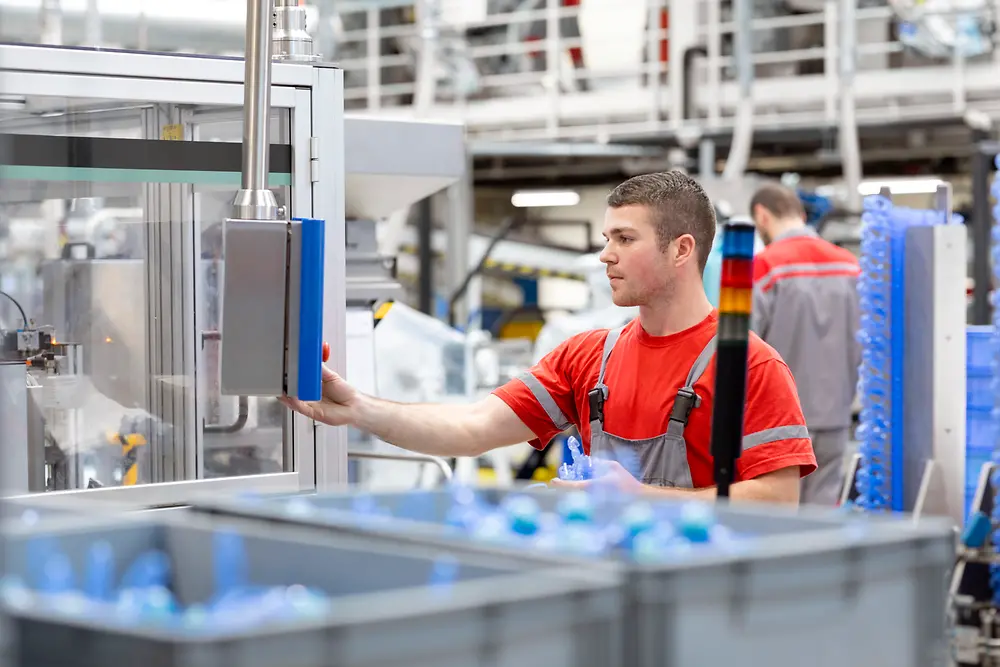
<point>595,399</point>
<point>685,401</point>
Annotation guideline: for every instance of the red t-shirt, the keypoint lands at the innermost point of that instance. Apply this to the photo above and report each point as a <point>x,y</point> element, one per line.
<point>643,375</point>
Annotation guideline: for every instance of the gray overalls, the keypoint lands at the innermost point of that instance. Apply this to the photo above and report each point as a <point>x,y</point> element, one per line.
<point>662,461</point>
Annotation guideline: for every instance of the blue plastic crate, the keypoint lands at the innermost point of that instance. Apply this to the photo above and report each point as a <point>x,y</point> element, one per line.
<point>980,430</point>
<point>979,348</point>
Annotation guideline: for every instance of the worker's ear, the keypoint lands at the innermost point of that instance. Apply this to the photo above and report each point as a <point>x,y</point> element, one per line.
<point>684,249</point>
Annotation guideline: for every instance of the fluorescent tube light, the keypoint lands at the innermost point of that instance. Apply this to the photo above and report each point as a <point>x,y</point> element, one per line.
<point>540,198</point>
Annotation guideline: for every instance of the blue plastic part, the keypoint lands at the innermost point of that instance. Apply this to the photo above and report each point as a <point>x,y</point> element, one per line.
<point>696,523</point>
<point>977,530</point>
<point>58,574</point>
<point>581,468</point>
<point>311,310</point>
<point>151,568</point>
<point>100,577</point>
<point>229,563</point>
<point>737,240</point>
<point>897,324</point>
<point>995,192</point>
<point>576,507</point>
<point>874,378</point>
<point>145,599</point>
<point>523,515</point>
<point>817,206</point>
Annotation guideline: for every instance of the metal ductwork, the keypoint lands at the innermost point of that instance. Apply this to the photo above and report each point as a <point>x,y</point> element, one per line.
<point>179,25</point>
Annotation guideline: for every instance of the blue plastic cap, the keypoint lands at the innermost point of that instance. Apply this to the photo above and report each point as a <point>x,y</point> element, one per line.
<point>977,530</point>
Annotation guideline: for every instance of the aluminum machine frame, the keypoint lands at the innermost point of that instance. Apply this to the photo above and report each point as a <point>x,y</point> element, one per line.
<point>334,167</point>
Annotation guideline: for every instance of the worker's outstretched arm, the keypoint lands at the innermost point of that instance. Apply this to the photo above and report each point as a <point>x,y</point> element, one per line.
<point>780,486</point>
<point>440,430</point>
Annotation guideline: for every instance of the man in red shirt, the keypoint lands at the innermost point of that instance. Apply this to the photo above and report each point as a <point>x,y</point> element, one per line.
<point>806,305</point>
<point>645,389</point>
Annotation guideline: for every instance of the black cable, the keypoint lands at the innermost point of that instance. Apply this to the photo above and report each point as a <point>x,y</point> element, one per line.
<point>24,318</point>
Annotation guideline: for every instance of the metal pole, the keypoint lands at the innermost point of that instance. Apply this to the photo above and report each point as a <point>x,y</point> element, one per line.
<point>982,224</point>
<point>742,144</point>
<point>425,253</point>
<point>254,201</point>
<point>850,146</point>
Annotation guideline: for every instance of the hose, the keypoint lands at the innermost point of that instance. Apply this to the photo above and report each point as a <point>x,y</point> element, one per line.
<point>24,318</point>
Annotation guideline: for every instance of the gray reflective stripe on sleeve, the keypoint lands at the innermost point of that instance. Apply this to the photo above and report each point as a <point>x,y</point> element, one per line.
<point>774,435</point>
<point>609,344</point>
<point>778,271</point>
<point>701,363</point>
<point>545,399</point>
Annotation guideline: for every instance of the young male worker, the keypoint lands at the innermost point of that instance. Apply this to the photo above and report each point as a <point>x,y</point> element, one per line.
<point>806,306</point>
<point>645,388</point>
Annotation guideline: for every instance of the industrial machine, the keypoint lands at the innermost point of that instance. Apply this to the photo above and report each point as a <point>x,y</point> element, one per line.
<point>163,316</point>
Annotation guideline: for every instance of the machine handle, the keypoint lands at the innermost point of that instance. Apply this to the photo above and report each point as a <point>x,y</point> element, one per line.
<point>311,310</point>
<point>413,458</point>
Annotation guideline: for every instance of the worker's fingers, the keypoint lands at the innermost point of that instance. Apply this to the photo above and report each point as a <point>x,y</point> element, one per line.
<point>569,484</point>
<point>324,412</point>
<point>336,389</point>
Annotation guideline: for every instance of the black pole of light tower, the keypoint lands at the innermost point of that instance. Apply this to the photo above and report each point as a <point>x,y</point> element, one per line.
<point>982,224</point>
<point>425,257</point>
<point>731,349</point>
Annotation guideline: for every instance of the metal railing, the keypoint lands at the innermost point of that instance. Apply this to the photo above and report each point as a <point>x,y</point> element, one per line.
<point>540,73</point>
<point>594,70</point>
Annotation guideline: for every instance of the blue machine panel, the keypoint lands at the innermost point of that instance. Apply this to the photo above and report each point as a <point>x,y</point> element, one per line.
<point>310,361</point>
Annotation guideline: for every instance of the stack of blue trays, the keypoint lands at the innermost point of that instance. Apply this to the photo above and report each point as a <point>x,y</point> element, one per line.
<point>980,428</point>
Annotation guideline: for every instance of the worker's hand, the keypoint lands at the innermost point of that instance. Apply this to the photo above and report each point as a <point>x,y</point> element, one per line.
<point>336,406</point>
<point>611,473</point>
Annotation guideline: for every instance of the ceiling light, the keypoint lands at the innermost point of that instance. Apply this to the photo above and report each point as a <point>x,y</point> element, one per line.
<point>540,198</point>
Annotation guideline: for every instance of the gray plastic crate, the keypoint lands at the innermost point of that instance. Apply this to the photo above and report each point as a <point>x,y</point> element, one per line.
<point>383,610</point>
<point>822,587</point>
<point>30,510</point>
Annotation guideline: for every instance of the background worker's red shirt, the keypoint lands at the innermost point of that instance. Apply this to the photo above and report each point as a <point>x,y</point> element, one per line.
<point>643,375</point>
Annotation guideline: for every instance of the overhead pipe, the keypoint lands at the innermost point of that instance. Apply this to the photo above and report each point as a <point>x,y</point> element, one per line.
<point>739,151</point>
<point>168,25</point>
<point>706,147</point>
<point>254,201</point>
<point>848,140</point>
<point>690,54</point>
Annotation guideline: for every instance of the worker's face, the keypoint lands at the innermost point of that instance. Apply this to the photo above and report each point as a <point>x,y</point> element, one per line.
<point>763,220</point>
<point>639,270</point>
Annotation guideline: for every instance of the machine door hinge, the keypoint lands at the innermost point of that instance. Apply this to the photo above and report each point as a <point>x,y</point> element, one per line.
<point>314,159</point>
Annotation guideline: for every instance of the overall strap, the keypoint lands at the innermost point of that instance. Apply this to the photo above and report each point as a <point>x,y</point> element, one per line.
<point>599,394</point>
<point>686,400</point>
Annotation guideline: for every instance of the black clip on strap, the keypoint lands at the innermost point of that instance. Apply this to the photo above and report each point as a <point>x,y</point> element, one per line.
<point>595,399</point>
<point>685,401</point>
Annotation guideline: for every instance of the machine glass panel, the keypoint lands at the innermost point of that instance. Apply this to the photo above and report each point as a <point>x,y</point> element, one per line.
<point>111,271</point>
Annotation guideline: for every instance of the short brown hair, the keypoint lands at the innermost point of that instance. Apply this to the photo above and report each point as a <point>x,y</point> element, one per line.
<point>779,200</point>
<point>678,205</point>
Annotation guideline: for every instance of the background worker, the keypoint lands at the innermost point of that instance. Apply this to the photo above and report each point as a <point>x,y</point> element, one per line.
<point>643,391</point>
<point>806,307</point>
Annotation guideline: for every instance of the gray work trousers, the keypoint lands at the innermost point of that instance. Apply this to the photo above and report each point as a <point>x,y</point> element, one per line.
<point>823,487</point>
